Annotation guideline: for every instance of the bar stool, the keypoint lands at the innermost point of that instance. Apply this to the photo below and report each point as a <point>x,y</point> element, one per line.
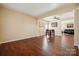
<point>50,33</point>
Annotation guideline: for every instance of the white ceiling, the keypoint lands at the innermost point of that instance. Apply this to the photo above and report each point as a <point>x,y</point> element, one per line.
<point>65,16</point>
<point>33,9</point>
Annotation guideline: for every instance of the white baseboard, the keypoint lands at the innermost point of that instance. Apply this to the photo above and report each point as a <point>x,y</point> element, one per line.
<point>15,40</point>
<point>21,39</point>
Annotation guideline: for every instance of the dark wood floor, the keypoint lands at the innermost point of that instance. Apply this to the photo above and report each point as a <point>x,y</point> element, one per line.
<point>39,46</point>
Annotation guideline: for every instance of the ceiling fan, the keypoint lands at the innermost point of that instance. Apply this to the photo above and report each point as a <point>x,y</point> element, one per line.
<point>56,18</point>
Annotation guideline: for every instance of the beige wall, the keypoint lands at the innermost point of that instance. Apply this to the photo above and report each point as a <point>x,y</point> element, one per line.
<point>76,41</point>
<point>58,28</point>
<point>47,24</point>
<point>15,26</point>
<point>1,26</point>
<point>41,27</point>
<point>65,22</point>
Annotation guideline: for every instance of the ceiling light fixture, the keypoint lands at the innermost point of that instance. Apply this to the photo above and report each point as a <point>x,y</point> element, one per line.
<point>56,18</point>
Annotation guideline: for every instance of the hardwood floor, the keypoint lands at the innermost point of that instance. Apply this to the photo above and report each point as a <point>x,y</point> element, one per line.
<point>39,46</point>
